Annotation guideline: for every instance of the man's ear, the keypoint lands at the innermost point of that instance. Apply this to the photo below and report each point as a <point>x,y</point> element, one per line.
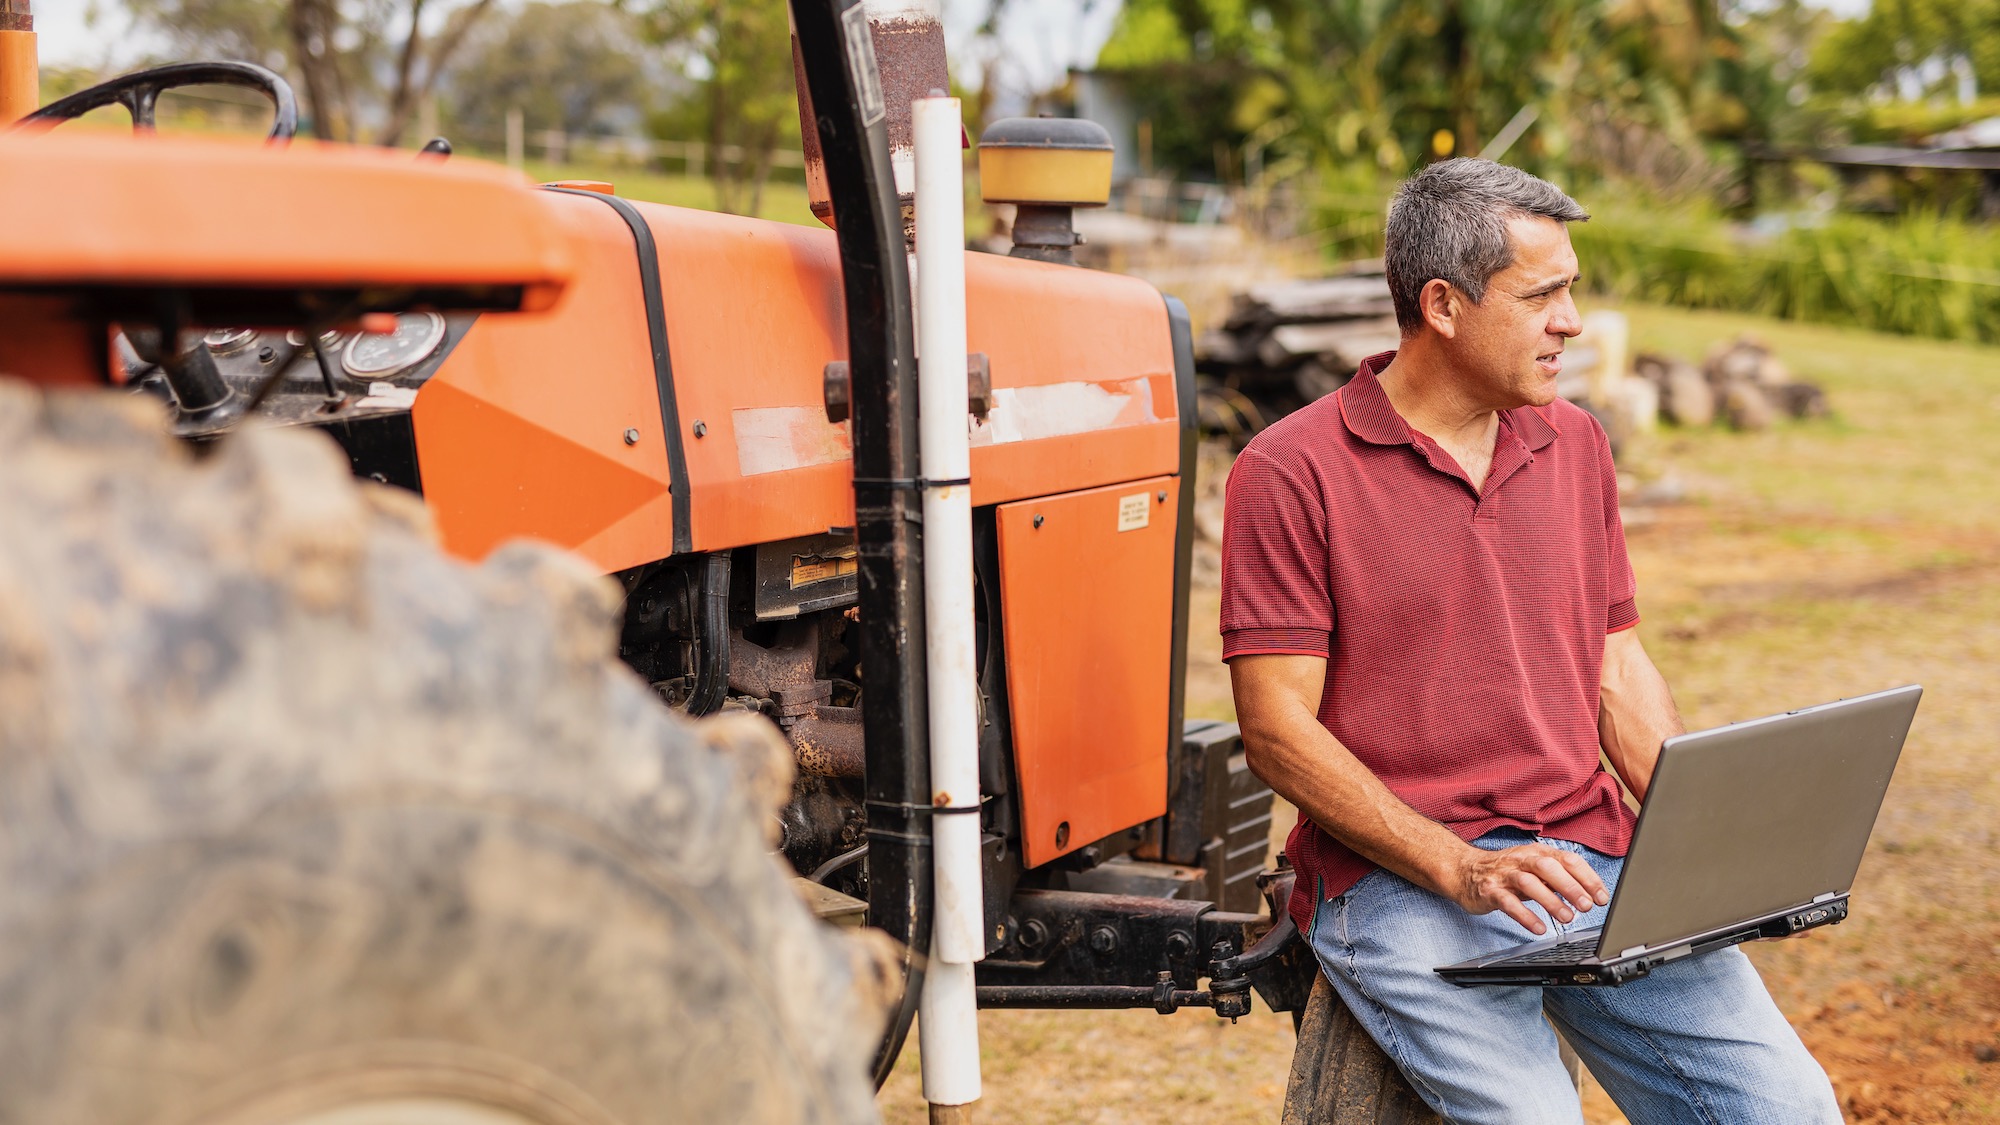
<point>1438,302</point>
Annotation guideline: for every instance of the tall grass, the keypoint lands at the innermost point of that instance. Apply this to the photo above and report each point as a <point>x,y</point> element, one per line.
<point>1920,275</point>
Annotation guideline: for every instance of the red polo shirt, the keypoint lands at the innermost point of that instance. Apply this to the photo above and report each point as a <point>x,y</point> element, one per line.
<point>1463,630</point>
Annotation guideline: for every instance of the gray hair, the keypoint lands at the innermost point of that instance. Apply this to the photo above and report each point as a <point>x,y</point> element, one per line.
<point>1449,221</point>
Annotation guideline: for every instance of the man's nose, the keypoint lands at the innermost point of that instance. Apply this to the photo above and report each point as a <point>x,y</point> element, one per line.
<point>1564,320</point>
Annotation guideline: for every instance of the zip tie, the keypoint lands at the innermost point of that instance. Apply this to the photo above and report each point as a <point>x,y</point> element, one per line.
<point>916,810</point>
<point>908,484</point>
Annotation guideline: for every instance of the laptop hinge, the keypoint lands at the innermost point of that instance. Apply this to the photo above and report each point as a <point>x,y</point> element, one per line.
<point>1632,952</point>
<point>1828,896</point>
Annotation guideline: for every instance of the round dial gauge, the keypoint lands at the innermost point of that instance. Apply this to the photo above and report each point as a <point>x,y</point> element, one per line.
<point>417,335</point>
<point>223,341</point>
<point>329,340</point>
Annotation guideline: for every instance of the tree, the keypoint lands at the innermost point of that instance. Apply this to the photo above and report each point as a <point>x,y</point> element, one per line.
<point>1912,48</point>
<point>1622,86</point>
<point>563,65</point>
<point>738,54</point>
<point>340,50</point>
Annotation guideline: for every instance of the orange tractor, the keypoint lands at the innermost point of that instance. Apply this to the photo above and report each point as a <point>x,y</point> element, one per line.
<point>719,414</point>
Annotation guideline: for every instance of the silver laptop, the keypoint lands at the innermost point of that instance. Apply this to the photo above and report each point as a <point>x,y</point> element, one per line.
<point>1750,830</point>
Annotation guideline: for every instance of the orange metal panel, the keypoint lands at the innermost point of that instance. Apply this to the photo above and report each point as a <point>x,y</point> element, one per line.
<point>1088,600</point>
<point>43,342</point>
<point>1082,366</point>
<point>128,210</point>
<point>522,430</point>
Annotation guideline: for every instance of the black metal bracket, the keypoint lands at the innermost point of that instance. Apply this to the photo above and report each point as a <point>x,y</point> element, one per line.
<point>1073,949</point>
<point>837,388</point>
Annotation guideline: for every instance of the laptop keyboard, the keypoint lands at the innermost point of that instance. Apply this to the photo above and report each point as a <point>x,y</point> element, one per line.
<point>1562,953</point>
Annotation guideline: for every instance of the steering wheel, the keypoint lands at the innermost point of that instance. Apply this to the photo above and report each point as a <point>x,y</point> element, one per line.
<point>139,92</point>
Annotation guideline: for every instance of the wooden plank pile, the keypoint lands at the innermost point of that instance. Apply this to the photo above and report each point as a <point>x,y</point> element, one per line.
<point>1287,343</point>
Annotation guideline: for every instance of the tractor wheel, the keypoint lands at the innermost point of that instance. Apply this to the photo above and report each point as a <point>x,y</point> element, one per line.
<point>303,823</point>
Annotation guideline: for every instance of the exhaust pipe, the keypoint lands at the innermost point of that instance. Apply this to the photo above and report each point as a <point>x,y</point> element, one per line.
<point>907,39</point>
<point>846,113</point>
<point>20,74</point>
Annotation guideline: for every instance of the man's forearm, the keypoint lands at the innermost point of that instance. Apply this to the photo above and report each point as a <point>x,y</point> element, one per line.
<point>1636,711</point>
<point>1306,765</point>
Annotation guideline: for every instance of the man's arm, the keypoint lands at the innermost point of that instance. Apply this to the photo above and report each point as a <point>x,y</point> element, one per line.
<point>1636,712</point>
<point>1277,702</point>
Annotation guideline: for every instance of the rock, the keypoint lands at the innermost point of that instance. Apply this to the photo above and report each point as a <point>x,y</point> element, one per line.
<point>1685,396</point>
<point>1772,372</point>
<point>1985,1053</point>
<point>1736,362</point>
<point>1637,402</point>
<point>1803,400</point>
<point>1746,407</point>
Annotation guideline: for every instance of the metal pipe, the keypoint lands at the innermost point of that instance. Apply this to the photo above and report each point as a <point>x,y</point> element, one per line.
<point>836,57</point>
<point>20,74</point>
<point>948,1024</point>
<point>960,927</point>
<point>907,37</point>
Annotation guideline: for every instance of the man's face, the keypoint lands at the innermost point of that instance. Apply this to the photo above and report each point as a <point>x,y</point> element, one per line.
<point>1511,342</point>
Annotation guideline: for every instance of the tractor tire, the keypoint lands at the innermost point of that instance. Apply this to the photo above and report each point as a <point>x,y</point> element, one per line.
<point>303,822</point>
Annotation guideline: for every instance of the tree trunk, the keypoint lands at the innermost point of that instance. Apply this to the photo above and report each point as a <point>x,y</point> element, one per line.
<point>401,99</point>
<point>309,27</point>
<point>410,90</point>
<point>1340,1077</point>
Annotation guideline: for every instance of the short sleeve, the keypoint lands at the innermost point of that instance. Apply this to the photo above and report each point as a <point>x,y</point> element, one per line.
<point>1622,588</point>
<point>1276,591</point>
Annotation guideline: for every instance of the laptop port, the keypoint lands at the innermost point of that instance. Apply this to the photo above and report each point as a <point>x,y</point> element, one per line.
<point>1583,978</point>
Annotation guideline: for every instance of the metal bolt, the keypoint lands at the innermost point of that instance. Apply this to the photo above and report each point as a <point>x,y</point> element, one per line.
<point>1038,521</point>
<point>1103,940</point>
<point>631,437</point>
<point>1161,496</point>
<point>1034,935</point>
<point>1179,944</point>
<point>266,354</point>
<point>700,428</point>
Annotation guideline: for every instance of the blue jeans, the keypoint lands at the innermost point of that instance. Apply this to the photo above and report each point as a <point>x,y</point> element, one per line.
<point>1697,1041</point>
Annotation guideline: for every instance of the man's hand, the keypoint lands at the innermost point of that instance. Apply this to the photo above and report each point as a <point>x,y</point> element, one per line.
<point>1508,879</point>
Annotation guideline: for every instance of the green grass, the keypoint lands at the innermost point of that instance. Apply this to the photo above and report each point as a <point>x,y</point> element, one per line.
<point>1915,437</point>
<point>783,201</point>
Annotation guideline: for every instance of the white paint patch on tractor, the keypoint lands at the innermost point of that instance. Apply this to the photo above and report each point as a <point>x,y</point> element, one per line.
<point>1056,409</point>
<point>772,439</point>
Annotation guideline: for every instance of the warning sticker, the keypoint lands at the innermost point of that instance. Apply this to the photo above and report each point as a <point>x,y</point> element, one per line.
<point>1134,511</point>
<point>808,569</point>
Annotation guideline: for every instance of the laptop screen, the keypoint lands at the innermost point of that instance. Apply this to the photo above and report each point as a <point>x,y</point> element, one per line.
<point>1745,821</point>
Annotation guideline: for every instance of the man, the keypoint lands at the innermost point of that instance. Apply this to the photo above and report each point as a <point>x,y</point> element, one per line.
<point>1428,614</point>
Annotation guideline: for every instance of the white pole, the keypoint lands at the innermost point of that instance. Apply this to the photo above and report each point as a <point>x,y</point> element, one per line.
<point>516,149</point>
<point>947,1018</point>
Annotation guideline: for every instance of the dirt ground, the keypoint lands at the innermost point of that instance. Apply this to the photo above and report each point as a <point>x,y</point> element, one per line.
<point>1816,560</point>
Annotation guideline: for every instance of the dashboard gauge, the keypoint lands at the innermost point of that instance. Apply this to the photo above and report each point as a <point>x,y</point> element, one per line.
<point>223,341</point>
<point>417,335</point>
<point>328,340</point>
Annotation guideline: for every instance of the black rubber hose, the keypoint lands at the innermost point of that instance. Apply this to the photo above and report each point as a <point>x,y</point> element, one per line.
<point>837,57</point>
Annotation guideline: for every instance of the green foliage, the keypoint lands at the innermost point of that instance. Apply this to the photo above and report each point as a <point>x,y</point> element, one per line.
<point>1640,88</point>
<point>353,60</point>
<point>738,53</point>
<point>1921,274</point>
<point>1913,123</point>
<point>564,66</point>
<point>254,31</point>
<point>1861,53</point>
